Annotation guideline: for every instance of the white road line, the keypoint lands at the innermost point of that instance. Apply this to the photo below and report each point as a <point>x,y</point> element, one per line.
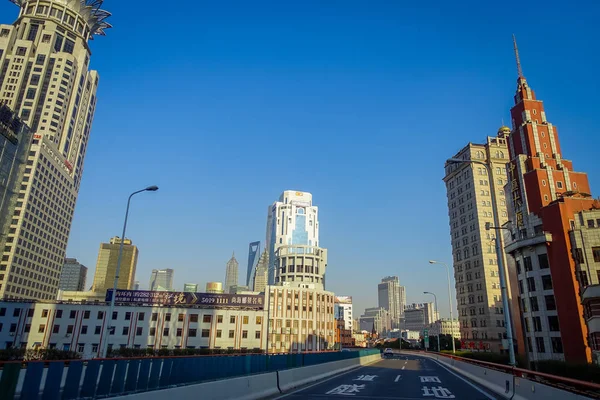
<point>466,381</point>
<point>397,378</point>
<point>403,366</point>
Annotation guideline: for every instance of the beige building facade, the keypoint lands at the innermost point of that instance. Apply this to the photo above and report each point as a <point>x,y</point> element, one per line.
<point>476,273</point>
<point>45,78</point>
<point>106,266</point>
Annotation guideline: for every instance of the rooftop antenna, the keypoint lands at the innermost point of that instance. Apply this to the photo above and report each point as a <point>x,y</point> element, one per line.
<point>519,69</point>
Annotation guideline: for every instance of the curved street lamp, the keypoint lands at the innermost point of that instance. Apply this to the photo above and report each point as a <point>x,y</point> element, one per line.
<point>114,290</point>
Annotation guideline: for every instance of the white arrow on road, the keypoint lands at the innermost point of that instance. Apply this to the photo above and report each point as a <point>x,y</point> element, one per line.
<point>398,378</point>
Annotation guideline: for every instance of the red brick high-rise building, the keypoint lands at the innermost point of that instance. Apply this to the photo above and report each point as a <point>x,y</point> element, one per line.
<point>546,196</point>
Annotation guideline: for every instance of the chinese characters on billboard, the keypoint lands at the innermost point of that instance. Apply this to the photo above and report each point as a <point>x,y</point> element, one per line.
<point>254,301</point>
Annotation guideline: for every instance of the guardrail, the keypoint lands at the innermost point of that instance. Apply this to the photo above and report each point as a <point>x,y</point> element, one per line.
<point>516,378</point>
<point>74,379</point>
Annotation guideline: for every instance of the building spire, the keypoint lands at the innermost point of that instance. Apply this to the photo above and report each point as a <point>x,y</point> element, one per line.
<point>519,70</point>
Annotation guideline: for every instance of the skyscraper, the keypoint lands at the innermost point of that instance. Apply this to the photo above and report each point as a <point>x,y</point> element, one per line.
<point>392,298</point>
<point>190,287</point>
<point>73,275</point>
<point>293,242</point>
<point>253,255</point>
<point>546,197</point>
<point>162,279</point>
<point>106,266</point>
<point>260,274</point>
<point>469,195</point>
<point>231,273</point>
<point>45,78</point>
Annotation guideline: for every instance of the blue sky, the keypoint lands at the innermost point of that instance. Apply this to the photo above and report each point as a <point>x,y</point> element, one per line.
<point>224,106</point>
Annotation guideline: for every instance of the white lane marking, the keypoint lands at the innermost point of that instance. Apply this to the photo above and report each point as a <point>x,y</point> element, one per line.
<point>324,380</point>
<point>466,381</point>
<point>397,378</point>
<point>403,366</point>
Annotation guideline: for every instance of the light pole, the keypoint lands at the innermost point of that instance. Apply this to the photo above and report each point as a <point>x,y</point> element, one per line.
<point>437,311</point>
<point>114,291</point>
<point>499,255</point>
<point>449,301</point>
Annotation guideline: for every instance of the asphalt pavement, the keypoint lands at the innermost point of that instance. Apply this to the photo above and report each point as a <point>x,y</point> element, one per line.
<point>402,377</point>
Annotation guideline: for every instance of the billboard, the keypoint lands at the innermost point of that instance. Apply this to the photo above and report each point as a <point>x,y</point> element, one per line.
<point>343,299</point>
<point>255,301</point>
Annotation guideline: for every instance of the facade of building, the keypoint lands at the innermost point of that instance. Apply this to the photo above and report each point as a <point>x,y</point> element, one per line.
<point>591,305</point>
<point>293,241</point>
<point>15,139</point>
<point>214,287</point>
<point>231,273</point>
<point>477,282</point>
<point>584,237</point>
<point>392,297</point>
<point>418,316</point>
<point>253,256</point>
<point>190,287</point>
<point>73,275</point>
<point>376,318</point>
<point>343,336</point>
<point>162,279</point>
<point>546,196</point>
<point>260,278</point>
<point>343,311</point>
<point>445,327</point>
<point>78,327</point>
<point>106,266</point>
<point>45,78</point>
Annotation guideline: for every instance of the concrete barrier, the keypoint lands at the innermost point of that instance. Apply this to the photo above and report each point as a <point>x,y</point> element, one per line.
<point>243,388</point>
<point>527,389</point>
<point>295,377</point>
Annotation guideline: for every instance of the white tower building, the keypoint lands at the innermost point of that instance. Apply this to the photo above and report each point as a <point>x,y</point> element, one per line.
<point>45,78</point>
<point>295,257</point>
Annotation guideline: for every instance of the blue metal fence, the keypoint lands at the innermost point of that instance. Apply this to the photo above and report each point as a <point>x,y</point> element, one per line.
<point>111,377</point>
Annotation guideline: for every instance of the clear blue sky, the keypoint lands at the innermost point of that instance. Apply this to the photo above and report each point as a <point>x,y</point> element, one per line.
<point>226,105</point>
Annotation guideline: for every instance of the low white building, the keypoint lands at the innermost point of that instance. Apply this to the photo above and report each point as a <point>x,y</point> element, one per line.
<point>445,327</point>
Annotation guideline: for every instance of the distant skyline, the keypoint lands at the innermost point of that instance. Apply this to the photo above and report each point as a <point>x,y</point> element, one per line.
<point>376,95</point>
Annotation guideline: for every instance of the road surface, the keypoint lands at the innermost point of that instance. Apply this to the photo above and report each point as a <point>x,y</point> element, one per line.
<point>403,377</point>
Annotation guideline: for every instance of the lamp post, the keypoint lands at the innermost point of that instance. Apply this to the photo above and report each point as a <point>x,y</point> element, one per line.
<point>437,311</point>
<point>114,291</point>
<point>449,301</point>
<point>499,255</point>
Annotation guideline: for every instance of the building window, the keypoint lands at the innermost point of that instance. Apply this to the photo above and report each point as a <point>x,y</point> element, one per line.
<point>245,319</point>
<point>559,184</point>
<point>531,284</point>
<point>44,313</point>
<point>231,334</point>
<point>127,316</point>
<point>553,323</point>
<point>557,346</point>
<point>152,332</point>
<point>550,302</point>
<point>547,282</point>
<point>578,256</point>
<point>41,328</point>
<point>81,347</point>
<point>193,317</point>
<point>257,335</point>
<point>180,317</point>
<point>537,324</point>
<point>219,319</point>
<point>139,331</point>
<point>232,319</point>
<point>206,318</point>
<point>596,253</point>
<point>125,330</point>
<point>69,329</point>
<point>72,314</point>
<point>100,315</point>
<point>258,320</point>
<point>192,332</point>
<point>527,264</point>
<point>140,316</point>
<point>166,332</point>
<point>115,315</point>
<point>95,348</point>
<point>219,332</point>
<point>539,343</point>
<point>167,316</point>
<point>244,334</point>
<point>56,329</point>
<point>97,330</point>
<point>534,304</point>
<point>84,329</point>
<point>205,333</point>
<point>179,332</point>
<point>154,317</point>
<point>543,261</point>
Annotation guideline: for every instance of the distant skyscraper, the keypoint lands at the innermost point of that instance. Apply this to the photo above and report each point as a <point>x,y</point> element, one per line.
<point>106,266</point>
<point>73,275</point>
<point>190,287</point>
<point>391,297</point>
<point>45,78</point>
<point>260,275</point>
<point>295,257</point>
<point>253,255</point>
<point>161,279</point>
<point>231,273</point>
<point>214,287</point>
